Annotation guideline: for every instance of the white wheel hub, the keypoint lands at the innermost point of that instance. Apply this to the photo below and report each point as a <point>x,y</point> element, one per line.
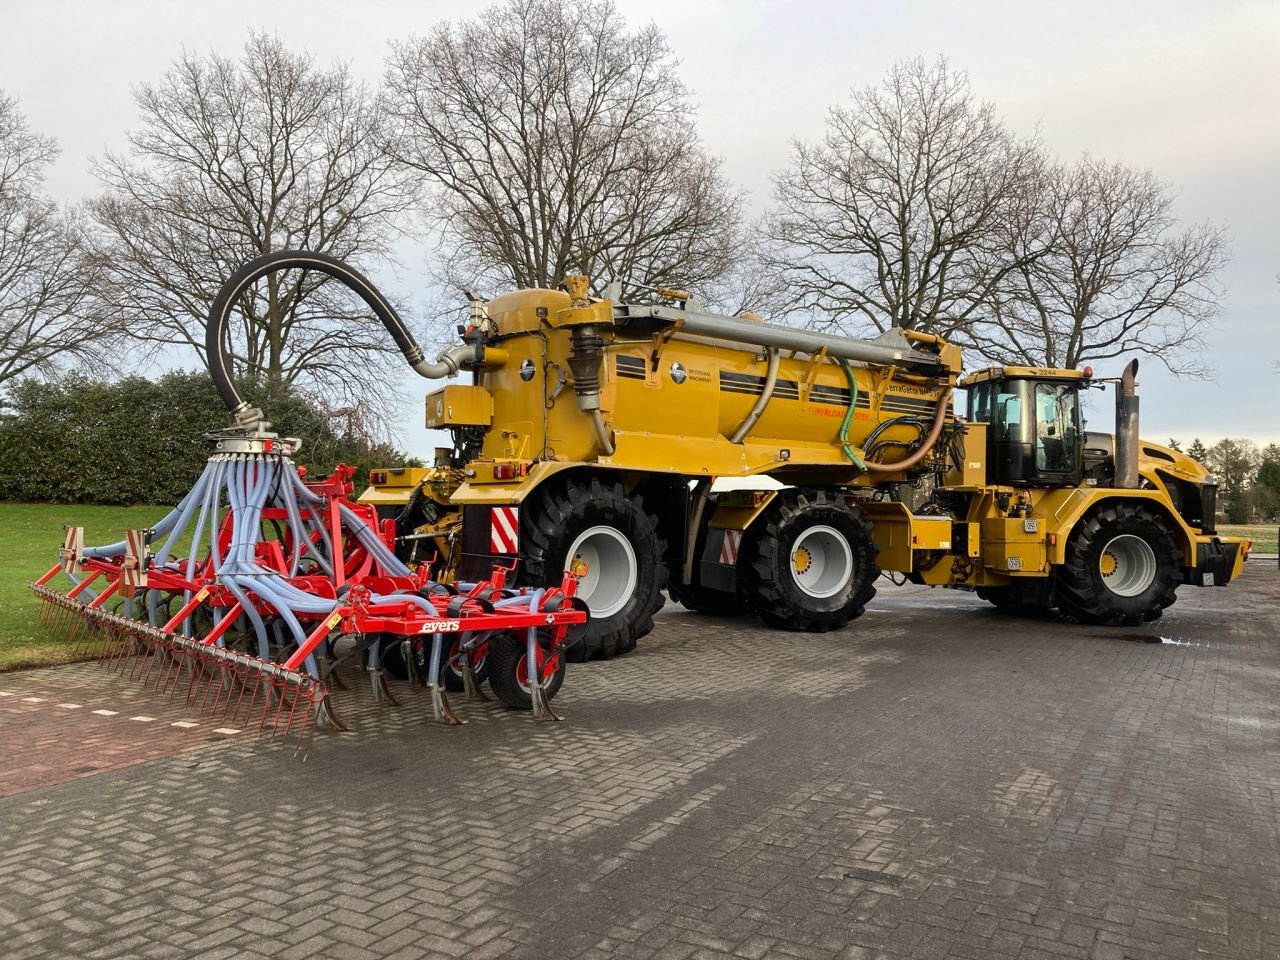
<point>609,572</point>
<point>1128,565</point>
<point>821,561</point>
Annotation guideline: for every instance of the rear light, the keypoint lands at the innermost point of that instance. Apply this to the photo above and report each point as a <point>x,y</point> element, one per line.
<point>377,478</point>
<point>504,471</point>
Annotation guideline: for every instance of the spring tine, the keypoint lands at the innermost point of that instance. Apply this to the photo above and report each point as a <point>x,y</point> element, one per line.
<point>293,709</point>
<point>253,700</point>
<point>225,685</point>
<point>172,674</point>
<point>156,659</point>
<point>244,680</point>
<point>214,672</point>
<point>281,696</point>
<point>120,648</point>
<point>204,679</point>
<point>268,696</point>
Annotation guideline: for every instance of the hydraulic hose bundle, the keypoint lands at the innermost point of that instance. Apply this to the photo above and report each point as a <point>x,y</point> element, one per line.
<point>258,623</point>
<point>283,578</point>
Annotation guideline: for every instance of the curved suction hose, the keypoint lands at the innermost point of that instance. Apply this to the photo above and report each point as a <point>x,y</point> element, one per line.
<point>447,364</point>
<point>935,431</point>
<point>770,382</point>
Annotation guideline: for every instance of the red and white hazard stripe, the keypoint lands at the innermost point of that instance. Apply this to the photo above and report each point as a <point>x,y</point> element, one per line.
<point>729,547</point>
<point>504,530</point>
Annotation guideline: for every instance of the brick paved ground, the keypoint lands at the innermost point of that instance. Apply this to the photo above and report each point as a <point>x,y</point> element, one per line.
<point>936,781</point>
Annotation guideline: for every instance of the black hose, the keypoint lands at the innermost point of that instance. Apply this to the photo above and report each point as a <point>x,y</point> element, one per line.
<point>256,269</point>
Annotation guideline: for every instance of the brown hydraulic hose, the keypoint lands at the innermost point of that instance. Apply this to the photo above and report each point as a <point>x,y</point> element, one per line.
<point>939,416</point>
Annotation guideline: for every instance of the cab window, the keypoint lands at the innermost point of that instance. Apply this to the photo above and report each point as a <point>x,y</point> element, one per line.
<point>1057,409</point>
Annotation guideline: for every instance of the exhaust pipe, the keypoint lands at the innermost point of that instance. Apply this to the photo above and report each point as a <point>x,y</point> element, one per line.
<point>1127,428</point>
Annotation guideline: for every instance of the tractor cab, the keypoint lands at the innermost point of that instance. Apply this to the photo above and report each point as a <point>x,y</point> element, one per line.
<point>1035,431</point>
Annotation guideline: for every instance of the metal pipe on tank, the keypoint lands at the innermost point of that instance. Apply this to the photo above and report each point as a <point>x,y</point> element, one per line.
<point>770,382</point>
<point>787,338</point>
<point>1127,428</point>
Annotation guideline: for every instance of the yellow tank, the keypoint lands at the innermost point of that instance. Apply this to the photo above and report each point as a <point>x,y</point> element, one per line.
<point>592,431</point>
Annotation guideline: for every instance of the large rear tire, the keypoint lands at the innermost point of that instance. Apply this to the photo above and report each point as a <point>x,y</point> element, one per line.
<point>596,527</point>
<point>1122,567</point>
<point>811,565</point>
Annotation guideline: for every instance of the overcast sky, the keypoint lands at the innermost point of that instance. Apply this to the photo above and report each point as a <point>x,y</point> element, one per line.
<point>1188,89</point>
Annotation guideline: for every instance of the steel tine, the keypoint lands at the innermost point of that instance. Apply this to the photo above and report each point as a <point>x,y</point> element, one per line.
<point>293,709</point>
<point>259,683</point>
<point>214,675</point>
<point>226,684</point>
<point>269,696</point>
<point>177,661</point>
<point>244,681</point>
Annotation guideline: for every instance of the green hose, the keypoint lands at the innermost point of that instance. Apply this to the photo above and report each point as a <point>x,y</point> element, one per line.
<point>849,452</point>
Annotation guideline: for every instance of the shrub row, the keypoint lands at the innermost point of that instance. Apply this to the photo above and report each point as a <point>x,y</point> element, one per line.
<point>80,440</point>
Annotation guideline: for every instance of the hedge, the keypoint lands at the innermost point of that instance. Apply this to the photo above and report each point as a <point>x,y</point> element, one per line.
<point>80,440</point>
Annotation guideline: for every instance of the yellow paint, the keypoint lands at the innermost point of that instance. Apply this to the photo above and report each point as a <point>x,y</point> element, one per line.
<point>670,400</point>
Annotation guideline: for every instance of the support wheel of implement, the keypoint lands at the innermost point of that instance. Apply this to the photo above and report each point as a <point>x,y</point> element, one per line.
<point>509,671</point>
<point>593,529</point>
<point>810,565</point>
<point>1122,567</point>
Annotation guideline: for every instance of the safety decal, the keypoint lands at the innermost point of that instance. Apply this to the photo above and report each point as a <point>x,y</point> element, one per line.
<point>504,531</point>
<point>729,547</point>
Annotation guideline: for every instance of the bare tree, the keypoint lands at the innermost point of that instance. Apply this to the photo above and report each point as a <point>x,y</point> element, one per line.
<point>1104,271</point>
<point>44,279</point>
<point>234,159</point>
<point>556,141</point>
<point>896,218</point>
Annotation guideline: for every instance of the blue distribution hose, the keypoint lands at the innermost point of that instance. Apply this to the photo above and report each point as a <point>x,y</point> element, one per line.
<point>249,484</point>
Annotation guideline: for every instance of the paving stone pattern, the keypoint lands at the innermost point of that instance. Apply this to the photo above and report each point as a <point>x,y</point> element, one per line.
<point>937,780</point>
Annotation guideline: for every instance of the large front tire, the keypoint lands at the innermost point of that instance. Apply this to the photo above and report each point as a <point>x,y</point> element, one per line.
<point>812,564</point>
<point>1122,567</point>
<point>595,527</point>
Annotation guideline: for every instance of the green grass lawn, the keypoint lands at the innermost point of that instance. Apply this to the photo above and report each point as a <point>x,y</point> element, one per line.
<point>1263,535</point>
<point>30,535</point>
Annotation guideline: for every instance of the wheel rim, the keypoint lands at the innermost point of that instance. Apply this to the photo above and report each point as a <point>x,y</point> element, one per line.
<point>821,562</point>
<point>1127,565</point>
<point>610,575</point>
<point>478,657</point>
<point>522,671</point>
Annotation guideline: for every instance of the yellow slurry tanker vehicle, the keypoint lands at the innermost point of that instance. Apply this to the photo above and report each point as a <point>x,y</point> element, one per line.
<point>591,433</point>
<point>582,482</point>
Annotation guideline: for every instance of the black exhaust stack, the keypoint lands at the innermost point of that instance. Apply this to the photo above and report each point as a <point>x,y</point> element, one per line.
<point>1127,428</point>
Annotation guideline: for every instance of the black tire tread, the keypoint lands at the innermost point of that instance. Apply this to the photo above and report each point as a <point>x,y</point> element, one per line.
<point>765,591</point>
<point>554,507</point>
<point>1075,586</point>
<point>505,652</point>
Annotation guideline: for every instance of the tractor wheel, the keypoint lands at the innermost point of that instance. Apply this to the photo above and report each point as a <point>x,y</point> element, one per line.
<point>509,673</point>
<point>1122,567</point>
<point>596,528</point>
<point>811,564</point>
